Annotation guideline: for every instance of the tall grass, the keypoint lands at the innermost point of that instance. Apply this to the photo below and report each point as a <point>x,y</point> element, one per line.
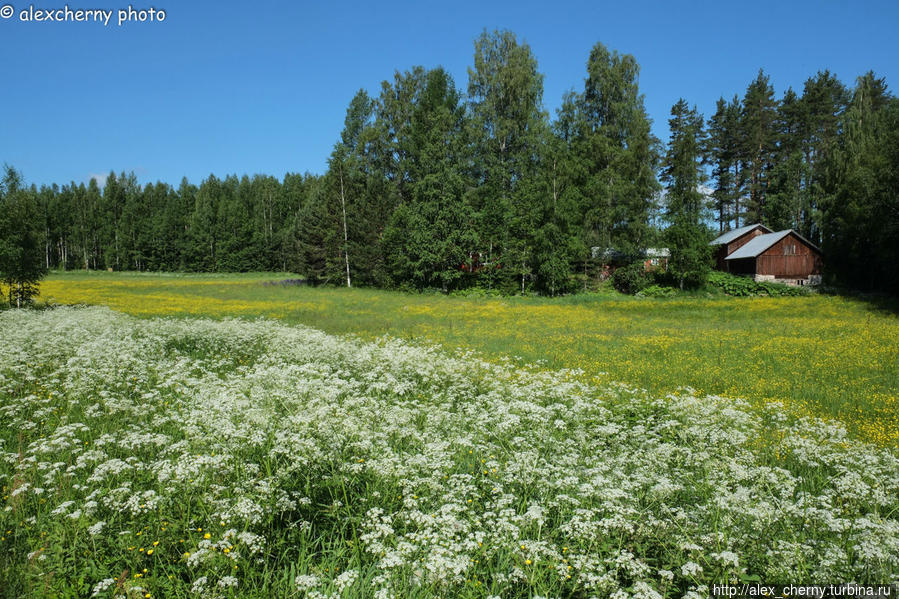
<point>822,356</point>
<point>234,458</point>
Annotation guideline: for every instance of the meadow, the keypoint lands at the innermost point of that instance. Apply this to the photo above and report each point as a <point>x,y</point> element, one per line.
<point>820,356</point>
<point>195,457</point>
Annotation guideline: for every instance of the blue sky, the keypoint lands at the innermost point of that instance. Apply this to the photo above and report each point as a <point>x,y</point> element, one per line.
<point>262,87</point>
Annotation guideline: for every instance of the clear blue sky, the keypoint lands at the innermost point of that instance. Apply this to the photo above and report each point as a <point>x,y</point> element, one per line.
<point>262,87</point>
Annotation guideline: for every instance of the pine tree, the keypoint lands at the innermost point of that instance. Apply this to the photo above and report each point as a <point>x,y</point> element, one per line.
<point>787,189</point>
<point>724,153</point>
<point>824,99</point>
<point>759,141</point>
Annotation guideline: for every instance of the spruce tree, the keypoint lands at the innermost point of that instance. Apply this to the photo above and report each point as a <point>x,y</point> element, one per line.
<point>685,204</point>
<point>861,217</point>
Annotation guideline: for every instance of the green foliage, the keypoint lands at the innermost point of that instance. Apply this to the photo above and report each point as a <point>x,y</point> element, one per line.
<point>685,212</point>
<point>476,292</point>
<point>656,291</point>
<point>759,139</point>
<point>748,287</point>
<point>428,237</point>
<point>617,152</point>
<point>861,223</point>
<point>723,152</point>
<point>508,149</point>
<point>432,187</point>
<point>631,278</point>
<point>21,240</point>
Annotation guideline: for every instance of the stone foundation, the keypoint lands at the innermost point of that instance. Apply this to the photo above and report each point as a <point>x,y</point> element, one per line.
<point>810,280</point>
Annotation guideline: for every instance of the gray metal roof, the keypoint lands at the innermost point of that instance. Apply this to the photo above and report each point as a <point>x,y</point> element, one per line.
<point>658,253</point>
<point>736,233</point>
<point>758,245</point>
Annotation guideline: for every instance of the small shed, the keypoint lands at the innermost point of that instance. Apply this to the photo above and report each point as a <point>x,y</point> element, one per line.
<point>785,257</point>
<point>656,259</point>
<point>728,243</point>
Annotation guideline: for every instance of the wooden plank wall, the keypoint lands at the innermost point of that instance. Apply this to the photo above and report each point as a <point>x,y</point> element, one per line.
<point>773,261</point>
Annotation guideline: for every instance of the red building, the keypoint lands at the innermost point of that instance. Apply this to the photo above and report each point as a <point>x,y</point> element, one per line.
<point>784,256</point>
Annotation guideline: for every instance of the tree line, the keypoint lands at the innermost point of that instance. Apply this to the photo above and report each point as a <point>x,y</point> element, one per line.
<point>430,186</point>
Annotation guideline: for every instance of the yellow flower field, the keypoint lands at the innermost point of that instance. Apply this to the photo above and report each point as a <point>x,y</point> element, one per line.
<point>821,356</point>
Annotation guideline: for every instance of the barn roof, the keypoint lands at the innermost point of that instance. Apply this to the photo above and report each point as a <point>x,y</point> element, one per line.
<point>758,245</point>
<point>736,234</point>
<point>763,242</point>
<point>657,253</point>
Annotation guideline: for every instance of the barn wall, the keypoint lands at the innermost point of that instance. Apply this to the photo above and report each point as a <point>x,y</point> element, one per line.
<point>739,242</point>
<point>720,254</point>
<point>773,262</point>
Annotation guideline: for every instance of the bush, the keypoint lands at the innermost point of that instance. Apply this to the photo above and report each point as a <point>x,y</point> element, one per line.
<point>656,291</point>
<point>631,278</point>
<point>477,292</point>
<point>747,287</point>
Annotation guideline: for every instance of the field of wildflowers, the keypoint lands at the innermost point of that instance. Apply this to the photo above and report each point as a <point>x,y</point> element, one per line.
<point>820,356</point>
<point>161,457</point>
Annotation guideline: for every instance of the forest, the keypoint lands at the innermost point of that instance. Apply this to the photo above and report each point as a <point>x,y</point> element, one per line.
<point>430,186</point>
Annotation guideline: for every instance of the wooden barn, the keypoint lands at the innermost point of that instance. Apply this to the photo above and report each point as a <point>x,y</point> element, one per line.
<point>731,241</point>
<point>784,256</point>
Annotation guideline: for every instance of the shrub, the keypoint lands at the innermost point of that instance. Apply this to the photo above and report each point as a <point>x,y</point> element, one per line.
<point>631,278</point>
<point>656,291</point>
<point>477,291</point>
<point>747,287</point>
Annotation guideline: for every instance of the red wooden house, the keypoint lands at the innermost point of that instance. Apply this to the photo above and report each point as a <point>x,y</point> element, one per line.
<point>784,256</point>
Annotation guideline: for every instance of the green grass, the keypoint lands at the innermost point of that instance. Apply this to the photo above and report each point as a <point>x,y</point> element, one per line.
<point>820,355</point>
<point>183,457</point>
